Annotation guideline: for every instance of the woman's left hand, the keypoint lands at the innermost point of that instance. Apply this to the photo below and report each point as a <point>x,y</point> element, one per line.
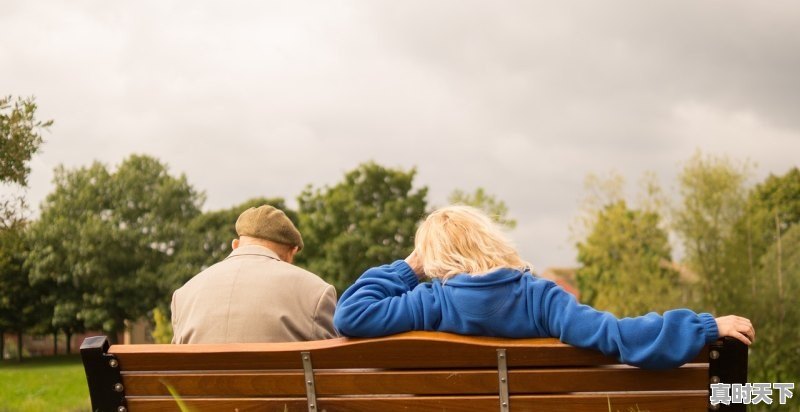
<point>736,327</point>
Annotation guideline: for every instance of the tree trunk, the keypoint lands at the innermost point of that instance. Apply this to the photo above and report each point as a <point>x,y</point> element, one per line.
<point>750,260</point>
<point>69,342</point>
<point>2,345</point>
<point>19,346</point>
<point>113,334</point>
<point>55,342</point>
<point>781,313</point>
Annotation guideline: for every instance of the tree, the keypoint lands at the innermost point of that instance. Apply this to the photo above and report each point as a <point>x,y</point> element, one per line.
<point>162,326</point>
<point>367,219</point>
<point>763,253</point>
<point>600,192</point>
<point>20,138</point>
<point>713,200</point>
<point>104,236</point>
<point>777,197</point>
<point>495,208</point>
<point>778,311</point>
<point>20,307</point>
<point>625,263</point>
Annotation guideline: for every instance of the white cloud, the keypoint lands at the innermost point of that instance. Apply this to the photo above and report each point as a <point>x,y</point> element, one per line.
<point>254,98</point>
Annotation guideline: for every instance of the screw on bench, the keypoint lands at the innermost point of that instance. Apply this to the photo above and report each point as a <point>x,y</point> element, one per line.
<point>113,363</point>
<point>118,387</point>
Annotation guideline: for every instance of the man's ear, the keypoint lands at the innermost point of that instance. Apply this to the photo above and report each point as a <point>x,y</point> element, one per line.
<point>290,255</point>
<point>234,244</point>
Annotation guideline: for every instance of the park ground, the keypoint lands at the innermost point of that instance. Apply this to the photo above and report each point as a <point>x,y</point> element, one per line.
<point>44,384</point>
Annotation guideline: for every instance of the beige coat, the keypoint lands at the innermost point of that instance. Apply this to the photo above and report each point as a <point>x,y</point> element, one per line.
<point>253,296</point>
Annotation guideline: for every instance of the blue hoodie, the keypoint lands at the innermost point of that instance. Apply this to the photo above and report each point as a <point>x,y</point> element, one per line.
<point>389,299</point>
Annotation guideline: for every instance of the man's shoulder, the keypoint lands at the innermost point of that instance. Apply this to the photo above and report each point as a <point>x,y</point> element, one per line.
<point>258,265</point>
<point>254,268</point>
<point>302,274</point>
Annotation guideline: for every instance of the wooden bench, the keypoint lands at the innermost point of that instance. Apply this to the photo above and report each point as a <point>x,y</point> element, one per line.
<point>416,371</point>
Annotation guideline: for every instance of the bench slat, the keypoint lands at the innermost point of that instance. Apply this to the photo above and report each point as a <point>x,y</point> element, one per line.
<point>668,402</point>
<point>362,382</point>
<point>441,350</point>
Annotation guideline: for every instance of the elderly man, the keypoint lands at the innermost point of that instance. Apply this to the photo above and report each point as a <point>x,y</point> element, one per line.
<point>255,294</point>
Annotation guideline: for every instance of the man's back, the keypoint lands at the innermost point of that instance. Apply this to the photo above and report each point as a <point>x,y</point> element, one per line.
<point>253,296</point>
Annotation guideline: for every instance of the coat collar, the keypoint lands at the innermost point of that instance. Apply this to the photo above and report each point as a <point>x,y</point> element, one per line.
<point>253,250</point>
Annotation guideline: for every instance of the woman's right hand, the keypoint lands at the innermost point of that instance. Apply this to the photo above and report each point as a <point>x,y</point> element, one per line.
<point>415,262</point>
<point>736,327</point>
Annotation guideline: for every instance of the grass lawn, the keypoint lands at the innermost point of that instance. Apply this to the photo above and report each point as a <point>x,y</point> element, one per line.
<point>44,384</point>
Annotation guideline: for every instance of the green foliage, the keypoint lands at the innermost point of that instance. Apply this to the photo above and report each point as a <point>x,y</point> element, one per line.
<point>177,397</point>
<point>623,260</point>
<point>599,192</point>
<point>767,295</point>
<point>20,304</point>
<point>731,236</point>
<point>104,236</point>
<point>776,354</point>
<point>495,208</point>
<point>162,331</point>
<point>773,201</point>
<point>20,138</point>
<point>367,219</point>
<point>713,192</point>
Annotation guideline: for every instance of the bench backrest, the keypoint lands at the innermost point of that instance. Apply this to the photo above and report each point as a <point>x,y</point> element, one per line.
<point>413,371</point>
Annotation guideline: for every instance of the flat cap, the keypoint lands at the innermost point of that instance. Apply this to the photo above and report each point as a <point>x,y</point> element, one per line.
<point>270,223</point>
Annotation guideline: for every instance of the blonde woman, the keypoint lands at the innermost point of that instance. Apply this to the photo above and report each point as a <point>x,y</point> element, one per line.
<point>481,286</point>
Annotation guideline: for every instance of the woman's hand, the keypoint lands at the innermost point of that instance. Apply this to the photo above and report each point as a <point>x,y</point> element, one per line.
<point>415,262</point>
<point>736,327</point>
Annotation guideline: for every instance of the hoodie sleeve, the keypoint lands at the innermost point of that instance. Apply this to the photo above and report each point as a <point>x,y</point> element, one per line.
<point>651,341</point>
<point>386,300</point>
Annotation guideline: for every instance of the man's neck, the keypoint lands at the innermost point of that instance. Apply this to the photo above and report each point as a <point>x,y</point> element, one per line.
<point>250,241</point>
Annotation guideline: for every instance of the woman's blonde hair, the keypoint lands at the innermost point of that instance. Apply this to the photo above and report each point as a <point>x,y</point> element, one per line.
<point>462,239</point>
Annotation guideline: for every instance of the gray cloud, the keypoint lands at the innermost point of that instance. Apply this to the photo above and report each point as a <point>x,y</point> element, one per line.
<point>522,98</point>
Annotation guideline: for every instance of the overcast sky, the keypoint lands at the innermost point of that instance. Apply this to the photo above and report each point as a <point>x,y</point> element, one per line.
<point>522,98</point>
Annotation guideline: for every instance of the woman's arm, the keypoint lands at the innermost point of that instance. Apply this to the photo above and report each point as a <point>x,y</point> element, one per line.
<point>386,300</point>
<point>650,341</point>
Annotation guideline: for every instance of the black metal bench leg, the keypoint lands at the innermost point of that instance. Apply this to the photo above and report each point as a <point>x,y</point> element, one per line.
<point>103,376</point>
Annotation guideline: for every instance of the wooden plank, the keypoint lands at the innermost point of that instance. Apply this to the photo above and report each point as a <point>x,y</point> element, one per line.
<point>216,384</point>
<point>671,402</point>
<point>150,404</point>
<point>442,350</point>
<point>368,382</point>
